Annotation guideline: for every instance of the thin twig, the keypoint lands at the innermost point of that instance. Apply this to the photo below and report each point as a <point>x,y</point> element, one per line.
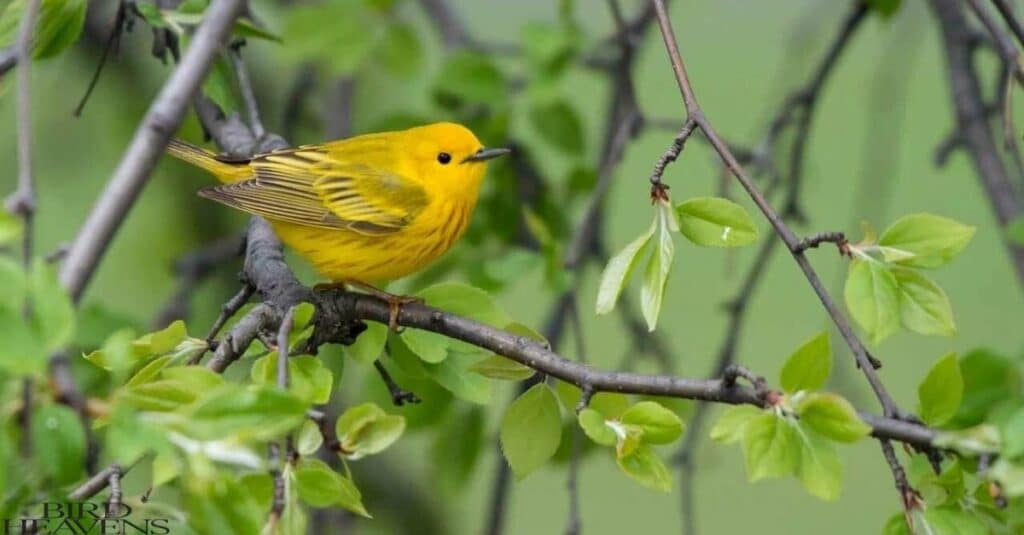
<point>693,111</point>
<point>113,41</point>
<point>228,309</point>
<point>1011,19</point>
<point>23,201</point>
<point>114,502</point>
<point>971,119</point>
<point>399,396</point>
<point>252,109</point>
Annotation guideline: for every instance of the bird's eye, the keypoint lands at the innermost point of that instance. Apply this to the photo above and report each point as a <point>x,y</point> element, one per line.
<point>444,158</point>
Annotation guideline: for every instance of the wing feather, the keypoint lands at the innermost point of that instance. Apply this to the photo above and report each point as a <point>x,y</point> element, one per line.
<point>324,187</point>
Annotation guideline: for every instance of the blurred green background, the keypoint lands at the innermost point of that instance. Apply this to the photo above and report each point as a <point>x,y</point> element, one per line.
<point>869,158</point>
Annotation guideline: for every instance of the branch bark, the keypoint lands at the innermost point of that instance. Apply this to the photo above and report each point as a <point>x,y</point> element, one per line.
<point>974,132</point>
<point>162,119</point>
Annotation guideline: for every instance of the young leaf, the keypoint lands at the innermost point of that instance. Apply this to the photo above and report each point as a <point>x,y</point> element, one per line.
<point>253,413</point>
<point>873,299</point>
<point>431,347</point>
<point>809,366</point>
<point>616,274</point>
<point>12,280</point>
<point>659,425</point>
<point>656,275</point>
<point>715,222</point>
<point>366,429</point>
<point>771,447</point>
<point>832,416</point>
<point>308,379</point>
<point>593,424</point>
<point>940,393</point>
<point>531,430</point>
<point>931,239</point>
<point>643,465</point>
<point>370,344</point>
<point>58,441</point>
<point>989,380</point>
<point>320,486</point>
<point>52,310</point>
<point>498,367</point>
<point>21,352</point>
<point>10,229</point>
<point>471,77</point>
<point>58,25</point>
<point>732,424</point>
<point>456,376</point>
<point>924,307</point>
<point>309,438</point>
<point>559,125</point>
<point>820,470</point>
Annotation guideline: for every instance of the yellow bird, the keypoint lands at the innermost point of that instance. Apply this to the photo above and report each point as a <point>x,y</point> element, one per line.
<point>363,210</point>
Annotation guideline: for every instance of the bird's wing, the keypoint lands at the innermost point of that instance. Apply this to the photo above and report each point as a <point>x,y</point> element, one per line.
<point>311,186</point>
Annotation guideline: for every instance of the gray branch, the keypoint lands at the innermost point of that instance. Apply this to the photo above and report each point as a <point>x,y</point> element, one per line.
<point>161,121</point>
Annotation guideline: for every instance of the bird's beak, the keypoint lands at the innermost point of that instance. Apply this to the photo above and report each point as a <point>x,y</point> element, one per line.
<point>485,154</point>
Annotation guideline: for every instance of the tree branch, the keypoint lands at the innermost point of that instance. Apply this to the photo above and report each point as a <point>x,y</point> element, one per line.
<point>162,119</point>
<point>974,132</point>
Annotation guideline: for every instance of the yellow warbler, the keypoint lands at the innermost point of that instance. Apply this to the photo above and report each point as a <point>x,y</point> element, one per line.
<point>362,210</point>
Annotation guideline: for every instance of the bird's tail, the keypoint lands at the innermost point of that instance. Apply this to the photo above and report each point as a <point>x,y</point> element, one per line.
<point>207,160</point>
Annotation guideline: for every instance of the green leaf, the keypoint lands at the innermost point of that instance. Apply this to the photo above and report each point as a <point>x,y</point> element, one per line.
<point>989,379</point>
<point>309,438</point>
<point>820,470</point>
<point>21,352</point>
<point>656,275</point>
<point>58,25</point>
<point>531,430</point>
<point>340,51</point>
<point>1012,432</point>
<point>809,366</point>
<point>872,297</point>
<point>617,273</point>
<point>498,367</point>
<point>431,347</point>
<point>58,443</point>
<point>162,341</point>
<point>558,125</point>
<point>715,222</point>
<point>940,393</point>
<point>10,230</point>
<point>548,47</point>
<point>832,416</point>
<point>178,386</point>
<point>458,445</point>
<point>771,447</point>
<point>931,239</point>
<point>1014,231</point>
<point>644,466</point>
<point>732,424</point>
<point>399,51</point>
<point>1010,476</point>
<point>219,85</point>
<point>52,310</point>
<point>308,378</point>
<point>247,28</point>
<point>593,424</point>
<point>320,486</point>
<point>465,300</point>
<point>924,307</point>
<point>659,425</point>
<point>885,8</point>
<point>471,77</point>
<point>455,375</point>
<point>253,413</point>
<point>370,344</point>
<point>366,429</point>
<point>977,440</point>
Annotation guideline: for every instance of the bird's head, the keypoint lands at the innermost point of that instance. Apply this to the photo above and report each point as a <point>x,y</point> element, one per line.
<point>449,158</point>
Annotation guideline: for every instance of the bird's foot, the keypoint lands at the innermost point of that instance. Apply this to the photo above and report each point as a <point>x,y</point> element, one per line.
<point>395,302</point>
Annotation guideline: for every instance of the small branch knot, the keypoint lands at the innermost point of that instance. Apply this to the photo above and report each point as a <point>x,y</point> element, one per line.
<point>838,238</point>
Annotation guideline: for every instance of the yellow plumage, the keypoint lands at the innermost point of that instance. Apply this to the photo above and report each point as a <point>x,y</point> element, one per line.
<point>363,210</point>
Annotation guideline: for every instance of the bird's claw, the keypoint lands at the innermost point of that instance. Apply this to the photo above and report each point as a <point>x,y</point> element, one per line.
<point>395,304</point>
